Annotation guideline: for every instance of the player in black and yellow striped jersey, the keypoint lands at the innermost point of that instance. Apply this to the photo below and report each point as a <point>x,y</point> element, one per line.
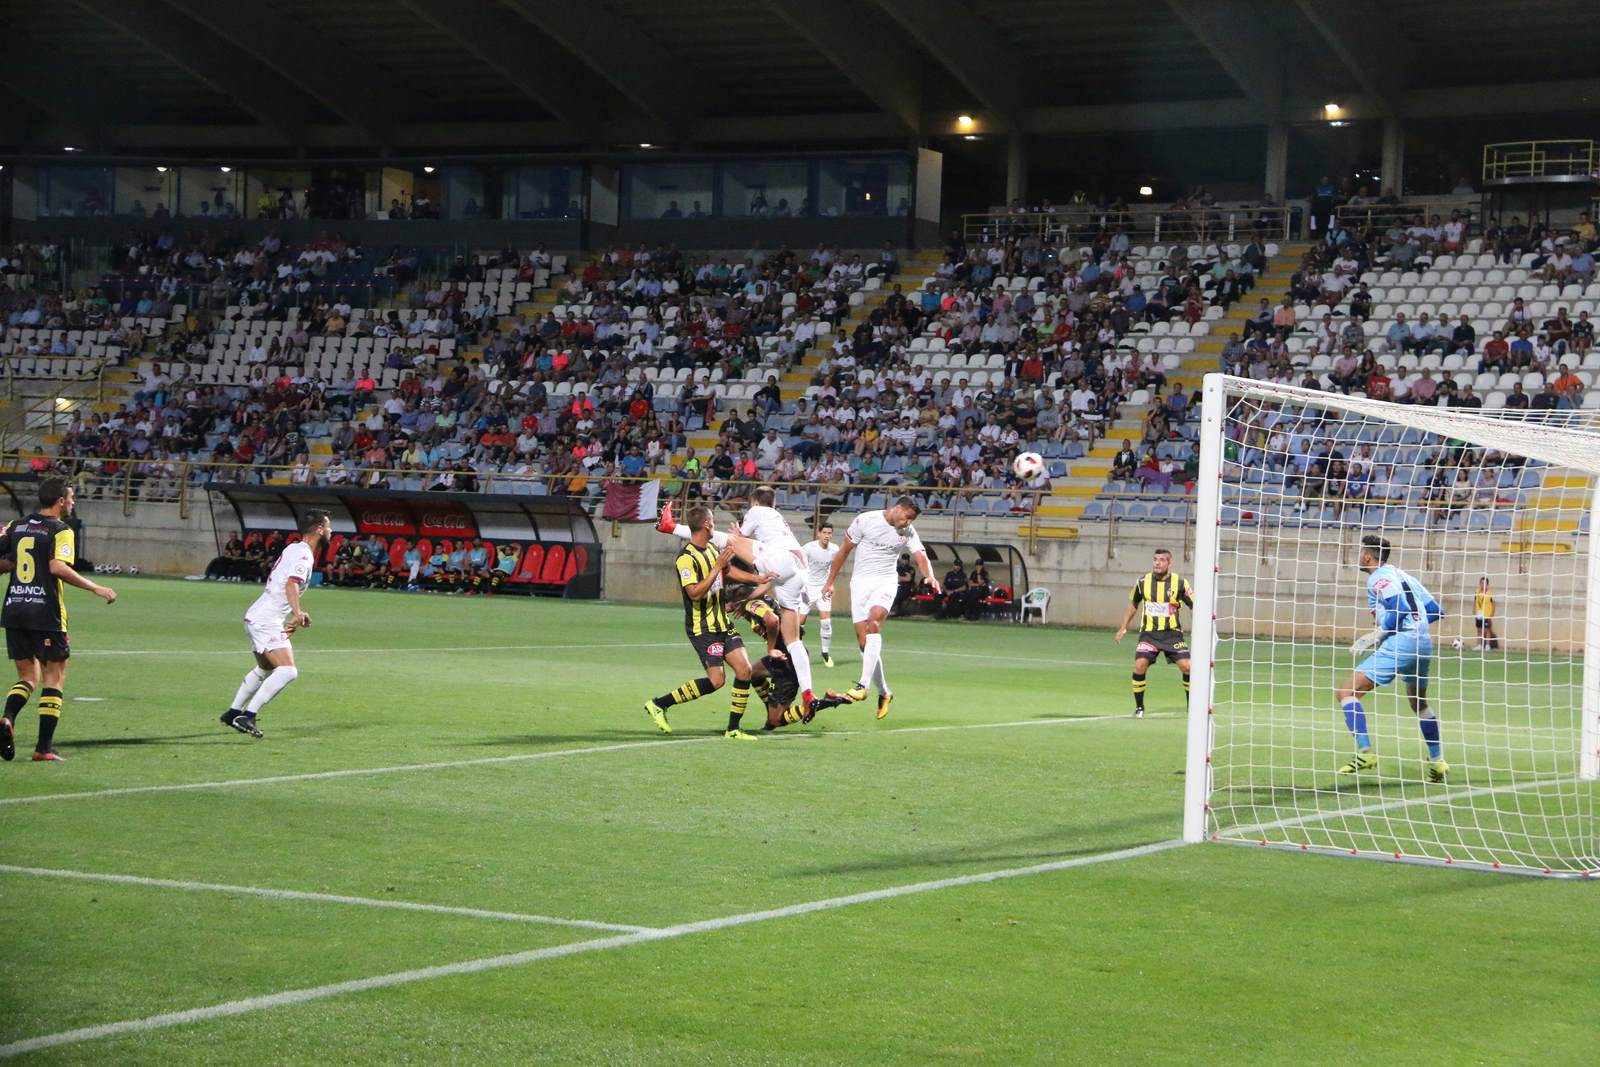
<point>1159,597</point>
<point>701,570</point>
<point>39,551</point>
<point>1483,615</point>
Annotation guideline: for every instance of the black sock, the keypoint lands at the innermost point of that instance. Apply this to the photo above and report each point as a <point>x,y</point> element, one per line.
<point>49,715</point>
<point>1138,691</point>
<point>18,698</point>
<point>1186,681</point>
<point>684,693</point>
<point>739,699</point>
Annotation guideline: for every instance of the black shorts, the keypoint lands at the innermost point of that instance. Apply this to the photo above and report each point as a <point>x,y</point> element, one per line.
<point>1479,622</point>
<point>47,646</point>
<point>1153,643</point>
<point>714,648</point>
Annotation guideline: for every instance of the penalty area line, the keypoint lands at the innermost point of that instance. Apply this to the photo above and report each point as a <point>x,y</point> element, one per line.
<point>321,898</point>
<point>292,997</point>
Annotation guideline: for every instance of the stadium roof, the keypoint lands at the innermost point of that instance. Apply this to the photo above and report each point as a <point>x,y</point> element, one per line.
<point>587,75</point>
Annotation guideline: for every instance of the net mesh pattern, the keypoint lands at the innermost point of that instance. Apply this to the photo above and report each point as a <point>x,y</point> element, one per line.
<point>1460,497</point>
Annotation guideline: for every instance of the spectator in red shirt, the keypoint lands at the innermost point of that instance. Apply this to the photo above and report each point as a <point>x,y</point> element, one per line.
<point>1378,385</point>
<point>1496,353</point>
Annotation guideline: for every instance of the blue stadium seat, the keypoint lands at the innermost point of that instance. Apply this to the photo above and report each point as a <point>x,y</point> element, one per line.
<point>1094,511</point>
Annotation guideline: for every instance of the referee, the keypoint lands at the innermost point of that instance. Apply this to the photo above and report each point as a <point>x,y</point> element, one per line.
<point>1159,596</point>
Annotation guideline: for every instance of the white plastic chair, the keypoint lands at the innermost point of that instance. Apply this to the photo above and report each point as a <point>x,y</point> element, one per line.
<point>1037,600</point>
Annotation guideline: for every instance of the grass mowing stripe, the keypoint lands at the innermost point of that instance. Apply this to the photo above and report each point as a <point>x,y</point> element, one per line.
<point>354,772</point>
<point>241,652</point>
<point>324,898</point>
<point>1391,805</point>
<point>517,959</point>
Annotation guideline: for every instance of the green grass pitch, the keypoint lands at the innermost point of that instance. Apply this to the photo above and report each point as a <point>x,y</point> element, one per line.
<point>550,796</point>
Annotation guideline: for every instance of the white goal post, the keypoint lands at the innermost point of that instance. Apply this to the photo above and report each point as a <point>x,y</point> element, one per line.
<point>1462,741</point>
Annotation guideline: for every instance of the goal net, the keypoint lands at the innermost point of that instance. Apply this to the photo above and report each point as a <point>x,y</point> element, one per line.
<point>1292,481</point>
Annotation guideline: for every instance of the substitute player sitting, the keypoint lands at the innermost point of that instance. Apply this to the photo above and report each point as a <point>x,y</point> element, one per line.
<point>271,619</point>
<point>39,552</point>
<point>1159,598</point>
<point>1404,612</point>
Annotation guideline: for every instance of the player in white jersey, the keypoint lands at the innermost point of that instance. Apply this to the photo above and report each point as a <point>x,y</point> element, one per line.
<point>819,560</point>
<point>764,538</point>
<point>271,619</point>
<point>877,538</point>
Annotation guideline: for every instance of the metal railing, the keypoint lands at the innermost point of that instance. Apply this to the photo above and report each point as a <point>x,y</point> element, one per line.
<point>153,479</point>
<point>1511,160</point>
<point>1359,218</point>
<point>1074,224</point>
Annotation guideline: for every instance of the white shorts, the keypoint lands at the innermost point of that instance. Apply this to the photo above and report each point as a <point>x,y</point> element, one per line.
<point>823,604</point>
<point>267,636</point>
<point>789,587</point>
<point>864,596</point>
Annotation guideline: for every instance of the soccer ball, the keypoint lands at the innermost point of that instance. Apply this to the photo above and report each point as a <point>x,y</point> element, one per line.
<point>1028,465</point>
<point>1456,644</point>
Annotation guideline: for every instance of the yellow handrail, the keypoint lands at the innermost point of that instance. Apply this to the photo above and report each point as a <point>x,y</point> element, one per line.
<point>1381,215</point>
<point>1541,159</point>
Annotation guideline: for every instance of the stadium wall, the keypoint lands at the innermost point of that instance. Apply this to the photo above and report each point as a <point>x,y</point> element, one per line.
<point>1088,577</point>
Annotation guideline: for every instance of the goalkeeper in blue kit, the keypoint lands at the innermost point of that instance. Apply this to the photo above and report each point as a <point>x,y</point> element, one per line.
<point>1401,647</point>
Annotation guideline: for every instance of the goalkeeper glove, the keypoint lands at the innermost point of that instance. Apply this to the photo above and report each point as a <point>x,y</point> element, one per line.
<point>1365,642</point>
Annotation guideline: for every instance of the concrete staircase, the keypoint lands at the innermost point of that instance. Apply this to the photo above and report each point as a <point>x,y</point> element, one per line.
<point>916,268</point>
<point>1070,496</point>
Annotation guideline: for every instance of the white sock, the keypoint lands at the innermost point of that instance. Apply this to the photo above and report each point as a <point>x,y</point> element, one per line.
<point>871,655</point>
<point>883,679</point>
<point>275,684</point>
<point>720,539</point>
<point>827,635</point>
<point>247,688</point>
<point>802,664</point>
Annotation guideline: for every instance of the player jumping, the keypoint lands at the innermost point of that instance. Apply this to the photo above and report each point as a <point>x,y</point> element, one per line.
<point>1403,610</point>
<point>39,552</point>
<point>271,619</point>
<point>819,560</point>
<point>1162,595</point>
<point>765,540</point>
<point>880,537</point>
<point>701,569</point>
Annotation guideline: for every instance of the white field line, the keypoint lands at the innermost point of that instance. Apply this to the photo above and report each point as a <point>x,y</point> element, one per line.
<point>1390,805</point>
<point>357,772</point>
<point>323,898</point>
<point>517,959</point>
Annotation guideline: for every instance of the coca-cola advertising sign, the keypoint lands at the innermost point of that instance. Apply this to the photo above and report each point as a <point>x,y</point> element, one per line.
<point>445,520</point>
<point>389,517</point>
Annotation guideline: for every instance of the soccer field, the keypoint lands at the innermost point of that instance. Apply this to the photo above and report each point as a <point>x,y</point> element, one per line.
<point>462,841</point>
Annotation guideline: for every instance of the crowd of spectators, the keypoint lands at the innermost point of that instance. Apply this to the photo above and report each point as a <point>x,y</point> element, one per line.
<point>1548,346</point>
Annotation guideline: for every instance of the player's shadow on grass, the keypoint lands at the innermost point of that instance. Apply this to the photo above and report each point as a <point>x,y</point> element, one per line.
<point>133,742</point>
<point>1131,833</point>
<point>1374,790</point>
